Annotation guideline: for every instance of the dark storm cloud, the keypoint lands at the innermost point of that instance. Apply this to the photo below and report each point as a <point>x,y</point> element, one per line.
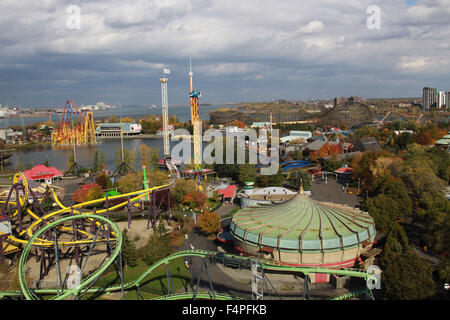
<point>242,50</point>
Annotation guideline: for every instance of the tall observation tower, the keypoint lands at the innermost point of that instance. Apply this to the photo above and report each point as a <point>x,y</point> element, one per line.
<point>165,116</point>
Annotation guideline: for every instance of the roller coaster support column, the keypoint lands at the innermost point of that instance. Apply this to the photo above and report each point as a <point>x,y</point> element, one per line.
<point>2,254</point>
<point>58,270</point>
<point>75,238</point>
<point>198,279</point>
<point>169,280</point>
<point>107,206</point>
<point>306,295</point>
<point>129,213</point>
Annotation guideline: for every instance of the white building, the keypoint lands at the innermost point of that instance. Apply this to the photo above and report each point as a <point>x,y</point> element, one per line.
<point>297,135</point>
<point>441,99</point>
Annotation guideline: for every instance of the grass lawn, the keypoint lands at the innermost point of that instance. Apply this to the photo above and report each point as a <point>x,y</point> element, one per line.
<point>214,205</point>
<point>155,284</point>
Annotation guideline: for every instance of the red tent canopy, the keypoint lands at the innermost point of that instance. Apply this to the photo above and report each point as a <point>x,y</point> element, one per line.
<point>345,170</point>
<point>42,172</point>
<point>228,192</point>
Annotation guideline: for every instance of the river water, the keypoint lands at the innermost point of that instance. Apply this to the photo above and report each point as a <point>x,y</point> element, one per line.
<point>183,114</point>
<point>58,157</point>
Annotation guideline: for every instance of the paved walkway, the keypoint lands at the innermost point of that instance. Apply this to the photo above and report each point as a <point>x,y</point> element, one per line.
<point>332,192</point>
<point>225,208</point>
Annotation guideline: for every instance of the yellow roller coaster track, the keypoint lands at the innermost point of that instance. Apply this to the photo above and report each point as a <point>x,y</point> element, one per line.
<point>76,209</point>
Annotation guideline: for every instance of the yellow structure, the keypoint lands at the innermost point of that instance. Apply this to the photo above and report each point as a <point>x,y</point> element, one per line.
<point>75,128</point>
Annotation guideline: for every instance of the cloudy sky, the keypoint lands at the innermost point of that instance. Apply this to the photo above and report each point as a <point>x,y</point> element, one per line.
<point>242,50</point>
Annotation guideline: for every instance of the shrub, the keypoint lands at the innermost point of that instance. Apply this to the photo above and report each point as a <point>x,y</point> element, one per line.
<point>88,192</point>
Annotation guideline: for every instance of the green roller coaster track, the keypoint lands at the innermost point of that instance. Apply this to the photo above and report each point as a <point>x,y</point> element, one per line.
<point>264,264</point>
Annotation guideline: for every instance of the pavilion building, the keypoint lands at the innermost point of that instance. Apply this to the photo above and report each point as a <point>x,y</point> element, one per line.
<point>304,232</point>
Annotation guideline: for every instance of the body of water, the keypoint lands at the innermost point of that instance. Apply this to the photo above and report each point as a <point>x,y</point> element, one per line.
<point>59,157</point>
<point>183,113</point>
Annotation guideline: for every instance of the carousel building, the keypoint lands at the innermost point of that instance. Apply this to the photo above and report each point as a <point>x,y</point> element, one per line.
<point>304,232</point>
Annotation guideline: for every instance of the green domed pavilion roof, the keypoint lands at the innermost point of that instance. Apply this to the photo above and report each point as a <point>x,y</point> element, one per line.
<point>303,224</point>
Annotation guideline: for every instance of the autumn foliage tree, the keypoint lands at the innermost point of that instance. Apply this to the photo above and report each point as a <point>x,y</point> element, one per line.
<point>88,192</point>
<point>238,124</point>
<point>209,222</point>
<point>195,199</point>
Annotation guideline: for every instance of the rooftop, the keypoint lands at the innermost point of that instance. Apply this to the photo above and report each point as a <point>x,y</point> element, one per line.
<point>303,224</point>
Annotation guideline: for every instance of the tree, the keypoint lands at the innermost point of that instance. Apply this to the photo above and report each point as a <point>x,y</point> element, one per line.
<point>154,157</point>
<point>131,182</point>
<point>300,177</point>
<point>384,209</point>
<point>113,119</point>
<point>247,172</point>
<point>298,155</point>
<point>407,277</point>
<point>209,222</point>
<point>173,120</point>
<point>101,162</point>
<point>396,189</point>
<point>145,155</point>
<point>127,120</point>
<point>237,123</point>
<point>95,167</point>
<point>424,138</point>
<point>181,188</point>
<point>129,157</point>
<point>158,245</point>
<point>157,178</point>
<point>129,252</point>
<point>331,165</point>
<point>195,199</point>
<point>71,160</point>
<point>403,140</point>
<point>444,269</point>
<point>88,192</point>
<point>103,181</point>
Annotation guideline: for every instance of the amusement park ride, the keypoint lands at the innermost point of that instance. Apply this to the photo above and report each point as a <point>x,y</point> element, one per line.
<point>165,115</point>
<point>195,121</point>
<point>59,243</point>
<point>75,127</point>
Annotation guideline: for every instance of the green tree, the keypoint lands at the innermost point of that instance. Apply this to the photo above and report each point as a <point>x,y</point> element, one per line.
<point>158,245</point>
<point>101,161</point>
<point>331,164</point>
<point>154,157</point>
<point>129,157</point>
<point>444,269</point>
<point>129,252</point>
<point>403,140</point>
<point>157,178</point>
<point>396,189</point>
<point>407,277</point>
<point>131,182</point>
<point>181,188</point>
<point>300,177</point>
<point>247,172</point>
<point>71,160</point>
<point>96,164</point>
